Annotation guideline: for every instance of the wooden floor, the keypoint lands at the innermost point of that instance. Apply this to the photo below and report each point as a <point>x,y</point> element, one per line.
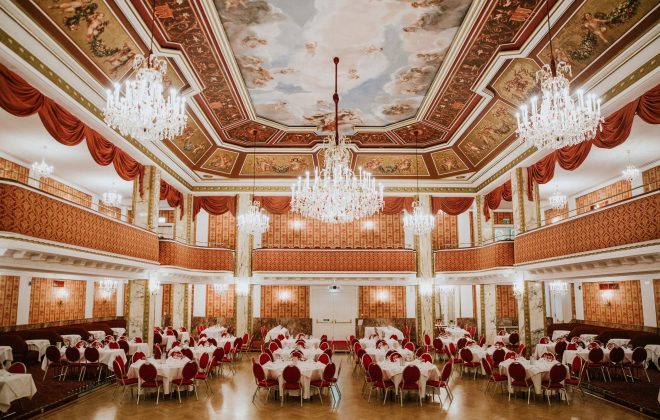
<point>233,393</point>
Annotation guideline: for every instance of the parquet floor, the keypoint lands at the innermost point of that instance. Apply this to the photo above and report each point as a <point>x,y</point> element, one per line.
<point>233,393</point>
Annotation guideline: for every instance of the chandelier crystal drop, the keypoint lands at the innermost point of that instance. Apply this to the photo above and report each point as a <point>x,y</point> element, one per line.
<point>557,200</point>
<point>631,172</point>
<point>419,222</point>
<point>111,198</point>
<point>42,169</point>
<point>558,287</point>
<point>559,120</point>
<point>337,194</point>
<point>254,221</point>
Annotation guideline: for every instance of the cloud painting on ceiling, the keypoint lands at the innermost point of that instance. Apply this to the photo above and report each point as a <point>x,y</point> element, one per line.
<point>390,52</point>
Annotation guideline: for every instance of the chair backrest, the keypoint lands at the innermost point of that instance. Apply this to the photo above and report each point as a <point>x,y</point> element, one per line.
<point>544,340</point>
<point>158,353</point>
<point>324,358</point>
<point>557,373</point>
<point>246,338</point>
<point>394,356</point>
<point>17,367</point>
<point>548,356</point>
<point>446,371</point>
<point>53,354</point>
<point>419,352</point>
<point>324,346</point>
<point>596,355</point>
<point>176,344</point>
<point>360,353</point>
<point>291,374</point>
<point>437,345</point>
<point>356,346</point>
<point>191,342</point>
<point>498,356</point>
<point>123,344</point>
<point>219,354</point>
<point>158,339</point>
<point>227,347</point>
<point>410,346</point>
<point>521,349</point>
<point>466,354</point>
<point>204,360</point>
<point>639,355</point>
<point>452,348</point>
<point>113,345</point>
<point>138,355</point>
<point>576,365</point>
<point>213,341</point>
<point>238,343</point>
<point>81,343</point>
<point>297,354</point>
<point>273,346</point>
<point>514,338</point>
<point>571,346</point>
<point>264,358</point>
<point>118,369</point>
<point>189,370</point>
<point>329,371</point>
<point>72,354</point>
<point>560,347</point>
<point>148,372</point>
<point>510,355</point>
<point>426,357</point>
<point>137,339</point>
<point>270,353</point>
<point>517,371</point>
<point>92,354</point>
<point>375,373</point>
<point>427,339</point>
<point>280,337</point>
<point>258,371</point>
<point>411,374</point>
<point>485,364</point>
<point>188,353</point>
<point>367,360</point>
<point>461,342</point>
<point>617,354</point>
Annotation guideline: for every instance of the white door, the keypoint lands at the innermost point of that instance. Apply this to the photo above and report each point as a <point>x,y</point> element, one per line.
<point>333,312</point>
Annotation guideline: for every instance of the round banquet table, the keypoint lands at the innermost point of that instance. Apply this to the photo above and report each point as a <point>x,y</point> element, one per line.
<point>559,333</point>
<point>285,354</point>
<point>215,332</point>
<point>456,332</point>
<point>275,332</point>
<point>393,371</point>
<point>539,349</point>
<point>309,370</point>
<point>118,330</point>
<point>310,343</point>
<point>168,370</point>
<point>14,386</point>
<point>379,354</point>
<point>370,343</point>
<point>134,347</point>
<point>71,339</point>
<point>536,370</point>
<point>97,334</point>
<point>383,332</point>
<point>39,345</point>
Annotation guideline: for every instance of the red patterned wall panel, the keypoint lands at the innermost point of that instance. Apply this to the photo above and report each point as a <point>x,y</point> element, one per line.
<point>334,261</point>
<point>284,302</point>
<point>656,289</point>
<point>498,254</point>
<point>445,234</point>
<point>290,230</point>
<point>28,212</point>
<point>503,217</point>
<point>382,301</point>
<point>609,194</point>
<point>195,258</point>
<point>11,170</point>
<point>623,307</point>
<point>222,230</point>
<point>8,300</point>
<point>626,223</point>
<point>506,304</point>
<point>105,303</point>
<point>220,304</point>
<point>555,215</point>
<point>49,303</point>
<point>651,179</point>
<point>65,191</point>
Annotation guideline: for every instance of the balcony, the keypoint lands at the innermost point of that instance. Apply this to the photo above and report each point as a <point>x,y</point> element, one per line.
<point>176,254</point>
<point>334,261</point>
<point>486,257</point>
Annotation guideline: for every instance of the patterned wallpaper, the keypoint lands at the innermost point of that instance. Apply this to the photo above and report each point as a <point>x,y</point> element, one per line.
<point>609,194</point>
<point>220,304</point>
<point>222,230</point>
<point>293,231</point>
<point>334,261</point>
<point>651,179</point>
<point>498,254</point>
<point>284,302</point>
<point>48,304</point>
<point>8,300</point>
<point>505,303</point>
<point>105,305</point>
<point>445,234</point>
<point>624,307</point>
<point>167,302</point>
<point>11,170</point>
<point>560,214</point>
<point>382,302</point>
<point>500,216</point>
<point>65,191</point>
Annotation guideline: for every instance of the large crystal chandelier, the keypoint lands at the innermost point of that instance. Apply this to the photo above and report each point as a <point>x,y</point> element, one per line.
<point>111,198</point>
<point>255,220</point>
<point>143,112</point>
<point>560,120</point>
<point>337,194</point>
<point>220,288</point>
<point>107,286</point>
<point>518,289</point>
<point>419,222</point>
<point>42,169</point>
<point>558,287</point>
<point>631,172</point>
<point>557,200</point>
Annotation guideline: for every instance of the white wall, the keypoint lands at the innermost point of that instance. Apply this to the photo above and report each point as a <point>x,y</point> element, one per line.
<point>89,299</point>
<point>463,220</point>
<point>24,290</point>
<point>648,301</point>
<point>119,309</point>
<point>411,301</point>
<point>202,228</point>
<point>256,301</point>
<point>466,309</point>
<point>199,308</point>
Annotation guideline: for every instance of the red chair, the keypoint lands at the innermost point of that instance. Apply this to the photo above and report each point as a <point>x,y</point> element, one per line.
<point>410,346</point>
<point>245,347</point>
<point>122,380</point>
<point>366,361</point>
<point>273,346</point>
<point>158,340</point>
<point>324,346</point>
<point>498,357</point>
<point>377,381</point>
<point>264,358</point>
<point>326,380</point>
<point>187,352</point>
<point>544,340</point>
<point>420,351</point>
<point>560,348</point>
<point>191,342</point>
<point>445,375</point>
<point>212,341</point>
<point>158,353</point>
<point>123,344</point>
<point>410,381</point>
<point>555,383</point>
<point>425,357</point>
<point>92,361</point>
<point>638,362</point>
<point>493,378</point>
<point>187,378</point>
<point>510,355</point>
<point>577,373</point>
<point>218,358</point>
<point>281,337</point>
<point>203,372</point>
<point>137,339</point>
<point>468,362</point>
<point>138,355</point>
<point>176,344</point>
<point>548,356</point>
<point>149,380</point>
<point>297,354</point>
<point>514,339</point>
<point>72,356</point>
<point>521,349</point>
<point>518,379</point>
<point>55,361</point>
<point>595,361</point>
<point>291,376</point>
<point>461,343</point>
<point>113,345</point>
<point>261,381</point>
<point>571,346</point>
<point>438,347</point>
<point>481,341</point>
<point>324,358</point>
<point>17,367</point>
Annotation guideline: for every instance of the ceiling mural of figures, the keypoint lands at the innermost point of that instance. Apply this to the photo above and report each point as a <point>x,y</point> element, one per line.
<point>277,165</point>
<point>447,162</point>
<point>517,83</point>
<point>392,165</point>
<point>284,50</point>
<point>493,129</point>
<point>221,161</point>
<point>193,143</point>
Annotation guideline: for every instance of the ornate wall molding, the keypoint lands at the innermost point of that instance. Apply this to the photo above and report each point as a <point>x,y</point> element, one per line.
<point>487,257</point>
<point>176,254</point>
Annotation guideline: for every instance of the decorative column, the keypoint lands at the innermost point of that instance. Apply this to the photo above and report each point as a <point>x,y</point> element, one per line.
<point>140,316</point>
<point>183,222</point>
<point>485,228</point>
<point>488,312</point>
<point>526,213</point>
<point>531,312</point>
<point>188,305</point>
<point>178,305</point>
<point>477,218</point>
<point>425,273</point>
<point>243,270</point>
<point>145,207</point>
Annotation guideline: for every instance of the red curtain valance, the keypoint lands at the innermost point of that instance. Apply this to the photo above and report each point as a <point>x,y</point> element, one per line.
<point>493,199</point>
<point>214,205</point>
<point>451,205</point>
<point>275,205</point>
<point>19,98</point>
<point>172,195</point>
<point>395,205</point>
<point>616,129</point>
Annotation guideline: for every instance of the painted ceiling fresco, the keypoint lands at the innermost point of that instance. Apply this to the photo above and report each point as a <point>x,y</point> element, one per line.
<point>390,52</point>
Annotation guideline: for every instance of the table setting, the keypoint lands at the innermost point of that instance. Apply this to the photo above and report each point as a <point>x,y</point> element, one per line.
<point>383,332</point>
<point>559,334</point>
<point>168,369</point>
<point>309,370</point>
<point>97,334</point>
<point>381,353</point>
<point>14,386</point>
<point>118,331</point>
<point>134,347</point>
<point>370,343</point>
<point>536,370</point>
<point>393,371</point>
<point>274,332</point>
<point>39,345</point>
<point>309,354</point>
<point>456,332</point>
<point>310,342</point>
<point>215,331</point>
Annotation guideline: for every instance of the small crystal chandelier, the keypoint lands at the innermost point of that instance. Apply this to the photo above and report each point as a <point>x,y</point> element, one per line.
<point>255,220</point>
<point>111,198</point>
<point>220,288</point>
<point>419,222</point>
<point>143,112</point>
<point>42,169</point>
<point>558,287</point>
<point>631,172</point>
<point>560,121</point>
<point>557,200</point>
<point>518,289</point>
<point>337,195</point>
<point>107,286</point>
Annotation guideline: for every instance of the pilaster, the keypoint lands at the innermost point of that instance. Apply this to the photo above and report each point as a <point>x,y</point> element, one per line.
<point>425,295</point>
<point>145,207</point>
<point>243,270</point>
<point>526,213</point>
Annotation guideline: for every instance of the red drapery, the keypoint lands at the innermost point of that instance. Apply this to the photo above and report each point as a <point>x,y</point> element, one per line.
<point>19,98</point>
<point>275,205</point>
<point>172,195</point>
<point>616,129</point>
<point>451,205</point>
<point>493,199</point>
<point>394,205</point>
<point>214,205</point>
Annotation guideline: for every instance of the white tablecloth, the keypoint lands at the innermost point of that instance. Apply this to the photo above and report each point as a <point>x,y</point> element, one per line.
<point>214,332</point>
<point>587,338</point>
<point>183,336</point>
<point>70,339</point>
<point>310,343</point>
<point>383,332</point>
<point>537,371</point>
<point>285,354</point>
<point>106,356</point>
<point>502,338</point>
<point>559,333</point>
<point>6,354</point>
<point>118,331</point>
<point>14,387</point>
<point>379,354</point>
<point>619,341</point>
<point>167,370</point>
<point>39,345</point>
<point>370,343</point>
<point>569,355</point>
<point>276,331</point>
<point>135,347</point>
<point>456,332</point>
<point>168,340</point>
<point>393,371</point>
<point>309,370</point>
<point>652,353</point>
<point>543,348</point>
<point>98,334</point>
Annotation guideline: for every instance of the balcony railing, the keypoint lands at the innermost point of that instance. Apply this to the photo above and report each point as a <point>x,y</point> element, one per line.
<point>176,254</point>
<point>498,254</point>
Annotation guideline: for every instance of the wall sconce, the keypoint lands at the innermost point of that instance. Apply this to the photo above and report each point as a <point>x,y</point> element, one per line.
<point>368,225</point>
<point>284,295</point>
<point>297,224</point>
<point>242,286</point>
<point>61,295</point>
<point>519,289</point>
<point>382,296</point>
<point>154,284</point>
<point>426,287</point>
<point>607,296</point>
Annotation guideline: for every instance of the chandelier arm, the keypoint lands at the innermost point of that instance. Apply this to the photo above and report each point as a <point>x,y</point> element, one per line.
<point>416,133</point>
<point>254,163</point>
<point>553,65</point>
<point>153,22</point>
<point>335,98</point>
